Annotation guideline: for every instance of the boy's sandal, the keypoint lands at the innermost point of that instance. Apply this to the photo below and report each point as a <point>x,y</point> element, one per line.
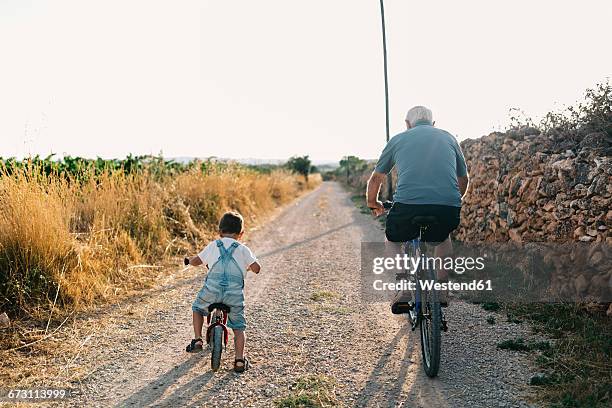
<point>241,368</point>
<point>195,345</point>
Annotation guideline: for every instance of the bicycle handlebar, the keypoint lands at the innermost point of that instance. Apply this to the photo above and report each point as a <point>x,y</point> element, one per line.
<point>386,205</point>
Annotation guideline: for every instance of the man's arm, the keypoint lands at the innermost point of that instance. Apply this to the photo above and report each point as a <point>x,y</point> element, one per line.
<point>374,183</point>
<point>462,173</point>
<point>385,163</point>
<point>463,182</point>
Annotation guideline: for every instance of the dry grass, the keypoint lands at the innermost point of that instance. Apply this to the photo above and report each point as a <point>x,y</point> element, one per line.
<point>74,242</point>
<point>69,246</point>
<point>316,391</point>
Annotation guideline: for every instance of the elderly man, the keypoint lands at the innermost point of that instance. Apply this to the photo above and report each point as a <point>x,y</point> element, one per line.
<point>431,180</point>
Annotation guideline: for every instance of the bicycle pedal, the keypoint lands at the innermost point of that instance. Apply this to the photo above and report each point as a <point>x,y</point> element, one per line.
<point>401,308</point>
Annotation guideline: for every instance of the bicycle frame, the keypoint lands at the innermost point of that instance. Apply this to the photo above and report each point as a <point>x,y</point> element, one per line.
<point>220,319</point>
<point>415,250</point>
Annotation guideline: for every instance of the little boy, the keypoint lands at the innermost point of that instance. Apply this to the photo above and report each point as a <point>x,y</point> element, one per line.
<point>224,283</point>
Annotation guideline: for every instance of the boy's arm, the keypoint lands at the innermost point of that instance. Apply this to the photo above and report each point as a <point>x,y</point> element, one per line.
<point>195,261</point>
<point>199,259</point>
<point>254,267</point>
<point>249,259</point>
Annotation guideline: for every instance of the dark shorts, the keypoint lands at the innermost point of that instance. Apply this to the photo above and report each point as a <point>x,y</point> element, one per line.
<point>399,227</point>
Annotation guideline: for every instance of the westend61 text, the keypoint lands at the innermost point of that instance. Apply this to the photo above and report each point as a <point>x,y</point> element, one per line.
<point>475,285</point>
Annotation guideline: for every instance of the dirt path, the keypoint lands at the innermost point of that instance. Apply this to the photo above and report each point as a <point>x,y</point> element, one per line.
<point>306,316</point>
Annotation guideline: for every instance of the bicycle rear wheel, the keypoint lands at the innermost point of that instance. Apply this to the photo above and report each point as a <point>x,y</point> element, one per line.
<point>430,328</point>
<point>217,347</point>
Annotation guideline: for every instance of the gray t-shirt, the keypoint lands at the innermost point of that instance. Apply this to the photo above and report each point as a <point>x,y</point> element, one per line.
<point>428,162</point>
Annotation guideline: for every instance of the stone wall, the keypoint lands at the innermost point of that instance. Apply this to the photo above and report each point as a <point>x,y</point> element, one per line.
<point>530,187</point>
<point>554,190</point>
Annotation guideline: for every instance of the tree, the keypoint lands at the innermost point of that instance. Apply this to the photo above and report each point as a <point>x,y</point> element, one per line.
<point>351,164</point>
<point>300,165</point>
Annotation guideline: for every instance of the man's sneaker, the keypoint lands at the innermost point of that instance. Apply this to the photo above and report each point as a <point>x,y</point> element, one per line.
<point>402,303</point>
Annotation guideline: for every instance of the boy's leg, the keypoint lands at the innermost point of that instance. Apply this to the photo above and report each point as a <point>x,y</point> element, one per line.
<point>239,342</point>
<point>198,322</point>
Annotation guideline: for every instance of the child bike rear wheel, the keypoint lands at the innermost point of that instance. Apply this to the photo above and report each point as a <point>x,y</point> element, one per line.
<point>217,347</point>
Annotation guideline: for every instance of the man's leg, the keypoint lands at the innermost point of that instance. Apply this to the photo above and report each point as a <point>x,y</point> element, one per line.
<point>402,297</point>
<point>443,250</point>
<point>392,249</point>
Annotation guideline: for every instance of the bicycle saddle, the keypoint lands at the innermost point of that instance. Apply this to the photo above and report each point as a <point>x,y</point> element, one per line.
<point>219,306</point>
<point>424,220</point>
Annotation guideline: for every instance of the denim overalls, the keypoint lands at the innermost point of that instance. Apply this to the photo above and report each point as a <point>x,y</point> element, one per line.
<point>224,284</point>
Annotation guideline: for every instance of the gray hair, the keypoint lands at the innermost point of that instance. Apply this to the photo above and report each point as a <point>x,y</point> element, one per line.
<point>419,113</point>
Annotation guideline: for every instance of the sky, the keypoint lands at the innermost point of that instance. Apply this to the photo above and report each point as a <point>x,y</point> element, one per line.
<point>270,79</point>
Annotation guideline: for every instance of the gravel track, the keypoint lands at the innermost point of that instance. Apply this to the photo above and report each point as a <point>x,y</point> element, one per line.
<point>311,249</point>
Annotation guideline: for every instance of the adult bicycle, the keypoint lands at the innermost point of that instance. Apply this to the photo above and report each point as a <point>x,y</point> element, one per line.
<point>424,310</point>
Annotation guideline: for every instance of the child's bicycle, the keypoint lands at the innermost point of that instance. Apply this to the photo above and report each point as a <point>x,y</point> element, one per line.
<point>424,311</point>
<point>216,333</point>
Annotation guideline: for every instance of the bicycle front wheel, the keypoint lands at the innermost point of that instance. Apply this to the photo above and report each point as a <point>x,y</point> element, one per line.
<point>430,328</point>
<point>217,347</point>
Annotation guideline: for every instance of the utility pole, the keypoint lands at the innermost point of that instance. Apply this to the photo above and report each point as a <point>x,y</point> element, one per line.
<point>384,38</point>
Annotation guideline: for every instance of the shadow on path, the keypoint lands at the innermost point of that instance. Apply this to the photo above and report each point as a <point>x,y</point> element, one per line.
<point>374,385</point>
<point>310,239</point>
<point>194,388</point>
<point>186,392</point>
<point>151,392</point>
